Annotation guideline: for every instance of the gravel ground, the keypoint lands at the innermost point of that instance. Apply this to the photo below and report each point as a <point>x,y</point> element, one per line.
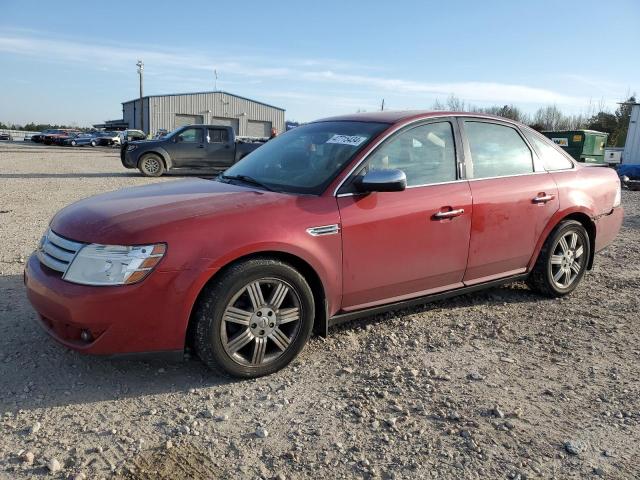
<point>499,384</point>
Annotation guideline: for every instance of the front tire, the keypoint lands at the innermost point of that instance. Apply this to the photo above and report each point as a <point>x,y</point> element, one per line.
<point>151,165</point>
<point>73,143</point>
<point>255,319</point>
<point>562,261</point>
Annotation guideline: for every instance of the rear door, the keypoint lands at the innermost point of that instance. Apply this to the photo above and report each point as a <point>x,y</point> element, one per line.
<point>399,245</point>
<point>220,149</point>
<point>513,199</point>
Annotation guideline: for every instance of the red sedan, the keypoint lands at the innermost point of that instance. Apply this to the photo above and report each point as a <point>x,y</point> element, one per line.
<point>336,219</point>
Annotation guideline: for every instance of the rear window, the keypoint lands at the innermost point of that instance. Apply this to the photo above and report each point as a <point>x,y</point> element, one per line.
<point>551,158</point>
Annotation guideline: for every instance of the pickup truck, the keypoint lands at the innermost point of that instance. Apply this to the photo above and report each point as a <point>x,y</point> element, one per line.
<point>190,148</point>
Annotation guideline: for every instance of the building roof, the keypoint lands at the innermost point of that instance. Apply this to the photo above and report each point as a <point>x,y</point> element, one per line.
<point>207,92</point>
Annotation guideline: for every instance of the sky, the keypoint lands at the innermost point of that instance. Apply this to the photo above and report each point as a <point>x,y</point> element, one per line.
<point>75,62</point>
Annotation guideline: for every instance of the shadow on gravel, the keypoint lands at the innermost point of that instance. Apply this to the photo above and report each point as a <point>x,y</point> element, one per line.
<point>497,296</point>
<point>70,175</point>
<point>36,372</point>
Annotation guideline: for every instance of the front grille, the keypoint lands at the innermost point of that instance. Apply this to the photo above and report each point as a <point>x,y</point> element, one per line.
<point>57,252</point>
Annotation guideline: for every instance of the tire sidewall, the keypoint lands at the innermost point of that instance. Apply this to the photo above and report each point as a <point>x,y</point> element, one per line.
<point>562,230</point>
<point>212,313</point>
<point>149,174</point>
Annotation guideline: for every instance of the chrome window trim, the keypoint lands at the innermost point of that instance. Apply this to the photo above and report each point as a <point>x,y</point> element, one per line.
<point>460,180</point>
<point>377,144</point>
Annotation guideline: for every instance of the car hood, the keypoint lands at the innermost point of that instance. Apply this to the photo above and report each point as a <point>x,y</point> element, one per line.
<point>147,214</point>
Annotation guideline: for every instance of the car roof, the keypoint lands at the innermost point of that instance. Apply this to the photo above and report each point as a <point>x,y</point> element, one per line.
<point>401,116</point>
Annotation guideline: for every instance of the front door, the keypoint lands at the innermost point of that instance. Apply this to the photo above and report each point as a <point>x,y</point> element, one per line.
<point>398,245</point>
<point>513,200</point>
<point>187,148</point>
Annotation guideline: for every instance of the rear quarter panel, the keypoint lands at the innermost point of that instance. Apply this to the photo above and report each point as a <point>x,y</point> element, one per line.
<point>590,191</point>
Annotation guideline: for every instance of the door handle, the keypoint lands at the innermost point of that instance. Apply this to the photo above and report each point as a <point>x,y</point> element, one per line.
<point>448,214</point>
<point>543,198</point>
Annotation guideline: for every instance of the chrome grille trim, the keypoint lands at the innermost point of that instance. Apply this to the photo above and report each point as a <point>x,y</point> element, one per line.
<point>57,252</point>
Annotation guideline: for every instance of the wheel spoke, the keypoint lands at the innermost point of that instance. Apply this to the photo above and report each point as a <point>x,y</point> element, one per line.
<point>287,315</point>
<point>574,240</point>
<point>563,245</point>
<point>278,296</point>
<point>558,275</point>
<point>280,339</point>
<point>556,259</point>
<point>255,293</point>
<point>259,349</point>
<point>579,251</point>
<point>575,266</point>
<point>240,341</point>
<point>567,277</point>
<point>237,315</point>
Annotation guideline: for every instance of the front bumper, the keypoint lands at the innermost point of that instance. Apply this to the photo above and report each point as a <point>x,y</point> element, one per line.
<point>144,317</point>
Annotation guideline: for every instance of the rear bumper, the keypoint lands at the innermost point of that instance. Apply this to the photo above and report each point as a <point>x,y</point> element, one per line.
<point>145,317</point>
<point>607,228</point>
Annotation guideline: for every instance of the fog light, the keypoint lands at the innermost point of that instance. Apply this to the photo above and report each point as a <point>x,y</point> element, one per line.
<point>86,336</point>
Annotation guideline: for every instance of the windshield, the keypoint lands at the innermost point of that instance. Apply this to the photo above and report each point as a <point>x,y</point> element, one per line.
<point>307,158</point>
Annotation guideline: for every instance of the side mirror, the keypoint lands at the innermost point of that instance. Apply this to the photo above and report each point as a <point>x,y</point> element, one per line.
<point>387,180</point>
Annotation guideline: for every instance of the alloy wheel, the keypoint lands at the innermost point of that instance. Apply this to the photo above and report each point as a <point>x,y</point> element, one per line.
<point>261,321</point>
<point>567,259</point>
<point>151,165</point>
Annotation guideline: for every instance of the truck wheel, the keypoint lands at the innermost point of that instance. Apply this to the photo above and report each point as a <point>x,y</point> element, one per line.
<point>255,319</point>
<point>151,165</point>
<point>562,261</point>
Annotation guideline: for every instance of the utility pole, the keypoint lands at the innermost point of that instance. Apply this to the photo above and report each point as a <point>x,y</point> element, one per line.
<point>215,82</point>
<point>382,106</point>
<point>140,66</point>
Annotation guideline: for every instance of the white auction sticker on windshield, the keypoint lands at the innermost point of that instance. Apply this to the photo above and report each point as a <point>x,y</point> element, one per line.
<point>353,140</point>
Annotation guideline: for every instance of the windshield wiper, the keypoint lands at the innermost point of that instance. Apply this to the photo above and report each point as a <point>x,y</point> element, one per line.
<point>247,179</point>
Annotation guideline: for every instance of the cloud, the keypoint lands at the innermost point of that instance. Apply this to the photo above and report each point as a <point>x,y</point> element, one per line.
<point>298,73</point>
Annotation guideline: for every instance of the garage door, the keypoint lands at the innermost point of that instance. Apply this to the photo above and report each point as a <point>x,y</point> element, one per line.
<point>182,120</point>
<point>226,122</point>
<point>258,129</point>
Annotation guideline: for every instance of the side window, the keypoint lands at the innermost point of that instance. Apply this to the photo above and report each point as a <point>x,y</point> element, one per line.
<point>218,135</point>
<point>191,135</point>
<point>497,151</point>
<point>426,154</point>
<point>551,158</point>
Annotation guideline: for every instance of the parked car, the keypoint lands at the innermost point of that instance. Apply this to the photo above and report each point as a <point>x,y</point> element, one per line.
<point>131,135</point>
<point>57,135</point>
<point>108,139</point>
<point>81,139</point>
<point>63,137</point>
<point>201,147</point>
<point>39,137</point>
<point>337,219</point>
<point>28,137</point>
<point>5,136</point>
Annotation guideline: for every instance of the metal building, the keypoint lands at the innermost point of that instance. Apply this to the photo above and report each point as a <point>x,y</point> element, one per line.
<point>249,118</point>
<point>632,144</point>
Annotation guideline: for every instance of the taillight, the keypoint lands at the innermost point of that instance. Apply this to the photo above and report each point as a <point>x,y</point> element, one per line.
<point>618,199</point>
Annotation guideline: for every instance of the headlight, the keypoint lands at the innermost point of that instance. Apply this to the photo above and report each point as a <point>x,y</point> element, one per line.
<point>131,147</point>
<point>113,264</point>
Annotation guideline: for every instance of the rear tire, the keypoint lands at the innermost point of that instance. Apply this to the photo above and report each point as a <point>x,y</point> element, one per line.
<point>563,260</point>
<point>93,143</point>
<point>255,319</point>
<point>73,143</point>
<point>151,165</point>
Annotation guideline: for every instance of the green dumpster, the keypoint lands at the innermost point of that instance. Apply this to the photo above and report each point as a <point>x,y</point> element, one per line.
<point>583,145</point>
